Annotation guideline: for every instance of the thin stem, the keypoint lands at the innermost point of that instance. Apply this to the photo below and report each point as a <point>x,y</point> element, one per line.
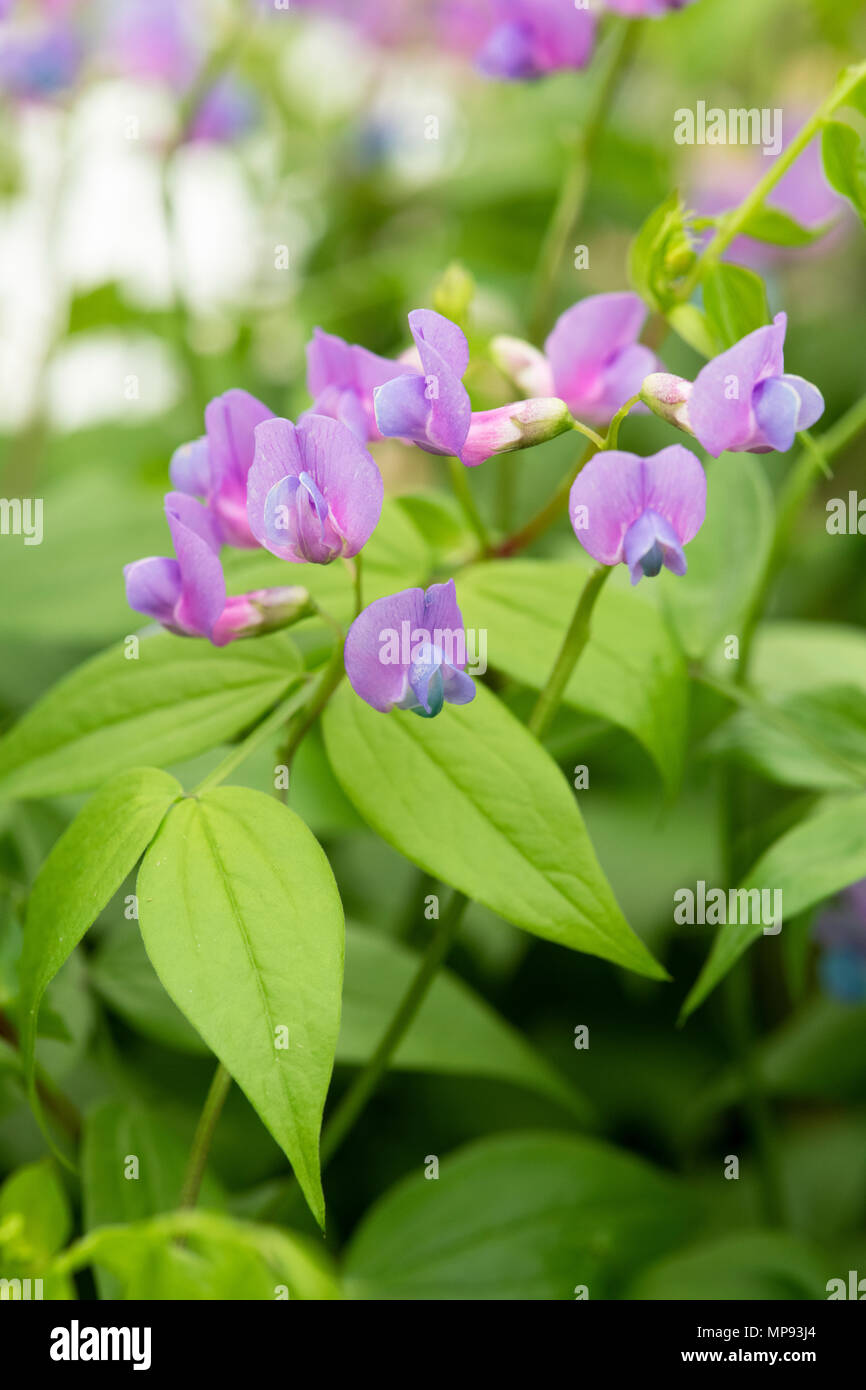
<point>792,500</point>
<point>54,1101</point>
<point>550,513</point>
<point>356,570</point>
<point>733,223</point>
<point>328,682</point>
<point>211,1110</point>
<point>268,726</point>
<point>592,435</point>
<point>463,493</point>
<point>572,195</point>
<point>612,437</point>
<point>358,1094</point>
<point>573,644</point>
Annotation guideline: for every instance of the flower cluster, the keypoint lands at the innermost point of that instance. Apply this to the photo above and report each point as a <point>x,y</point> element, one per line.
<point>310,492</point>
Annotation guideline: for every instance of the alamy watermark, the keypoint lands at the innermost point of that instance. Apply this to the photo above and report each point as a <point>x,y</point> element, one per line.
<point>717,907</point>
<point>22,516</point>
<point>458,648</point>
<point>735,126</point>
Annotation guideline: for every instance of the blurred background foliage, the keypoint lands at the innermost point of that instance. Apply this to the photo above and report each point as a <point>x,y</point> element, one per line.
<point>127,252</point>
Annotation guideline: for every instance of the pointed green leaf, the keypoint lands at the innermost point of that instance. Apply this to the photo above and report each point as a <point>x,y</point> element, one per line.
<point>80,876</point>
<point>817,858</point>
<point>177,699</point>
<point>243,924</point>
<point>474,799</point>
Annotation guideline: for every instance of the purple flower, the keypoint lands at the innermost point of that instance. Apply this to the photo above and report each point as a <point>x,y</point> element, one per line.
<point>37,64</point>
<point>408,652</point>
<point>431,408</point>
<point>745,402</point>
<point>341,378</point>
<point>639,511</point>
<point>188,594</point>
<point>152,39</point>
<point>226,111</point>
<point>841,933</point>
<point>313,491</point>
<point>216,466</point>
<point>592,358</point>
<point>520,39</point>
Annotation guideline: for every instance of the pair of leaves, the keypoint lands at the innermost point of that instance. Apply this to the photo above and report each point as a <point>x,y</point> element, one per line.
<point>242,920</point>
<point>473,799</point>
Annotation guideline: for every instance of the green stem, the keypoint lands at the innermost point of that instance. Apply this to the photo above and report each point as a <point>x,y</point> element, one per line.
<point>463,493</point>
<point>358,1094</point>
<point>572,195</point>
<point>550,513</point>
<point>573,644</point>
<point>733,223</point>
<point>211,1110</point>
<point>612,438</point>
<point>268,726</point>
<point>792,500</point>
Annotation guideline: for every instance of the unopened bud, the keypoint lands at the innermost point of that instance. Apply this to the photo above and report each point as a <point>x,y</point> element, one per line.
<point>515,426</point>
<point>260,612</point>
<point>668,397</point>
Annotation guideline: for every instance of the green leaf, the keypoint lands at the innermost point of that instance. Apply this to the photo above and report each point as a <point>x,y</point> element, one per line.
<point>726,559</point>
<point>473,798</point>
<point>748,1265</point>
<point>807,656</point>
<point>242,921</point>
<point>735,301</point>
<point>35,1222</point>
<point>817,1053</point>
<point>200,1255</point>
<point>114,1193</point>
<point>693,327</point>
<point>820,856</point>
<point>845,163</point>
<point>36,1197</point>
<point>79,878</point>
<point>808,739</point>
<point>177,699</point>
<point>631,672</point>
<point>454,1031</point>
<point>527,1216</point>
<point>781,229</point>
<point>124,978</point>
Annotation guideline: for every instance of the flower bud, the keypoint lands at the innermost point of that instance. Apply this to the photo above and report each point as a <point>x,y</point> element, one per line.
<point>517,426</point>
<point>261,611</point>
<point>668,397</point>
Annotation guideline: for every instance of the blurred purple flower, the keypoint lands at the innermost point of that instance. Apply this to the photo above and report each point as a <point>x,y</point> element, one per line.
<point>724,179</point>
<point>216,466</point>
<point>379,21</point>
<point>639,511</point>
<point>592,359</point>
<point>408,652</point>
<point>342,377</point>
<point>36,64</point>
<point>152,39</point>
<point>520,39</point>
<point>226,111</point>
<point>745,402</point>
<point>841,933</point>
<point>313,492</point>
